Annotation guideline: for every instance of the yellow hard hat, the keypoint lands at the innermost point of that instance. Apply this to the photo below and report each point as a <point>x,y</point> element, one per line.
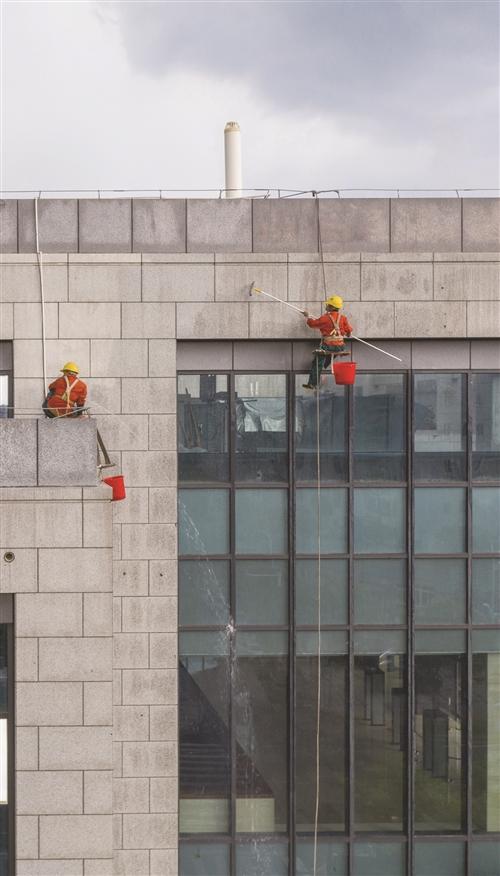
<point>335,301</point>
<point>71,366</point>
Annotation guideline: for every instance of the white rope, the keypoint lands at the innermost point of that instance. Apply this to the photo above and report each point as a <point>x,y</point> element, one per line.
<point>318,688</point>
<point>42,299</point>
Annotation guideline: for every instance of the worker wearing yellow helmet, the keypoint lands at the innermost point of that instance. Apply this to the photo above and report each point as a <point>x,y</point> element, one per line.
<point>334,327</point>
<point>67,394</point>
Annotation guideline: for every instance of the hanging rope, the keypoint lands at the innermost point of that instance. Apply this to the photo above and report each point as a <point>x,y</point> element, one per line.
<point>318,502</point>
<point>42,297</point>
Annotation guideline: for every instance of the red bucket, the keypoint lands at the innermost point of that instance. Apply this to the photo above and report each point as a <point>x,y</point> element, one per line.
<point>344,372</point>
<point>118,485</point>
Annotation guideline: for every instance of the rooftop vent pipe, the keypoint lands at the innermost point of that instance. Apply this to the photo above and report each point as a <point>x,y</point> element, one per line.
<point>232,154</point>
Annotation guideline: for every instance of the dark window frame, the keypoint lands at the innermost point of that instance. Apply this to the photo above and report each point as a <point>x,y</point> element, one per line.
<point>349,837</point>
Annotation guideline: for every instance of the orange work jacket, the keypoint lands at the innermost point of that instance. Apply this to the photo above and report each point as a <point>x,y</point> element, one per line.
<point>334,327</point>
<point>68,394</point>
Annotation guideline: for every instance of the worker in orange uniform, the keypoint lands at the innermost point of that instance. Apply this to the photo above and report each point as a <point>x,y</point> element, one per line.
<point>334,327</point>
<point>66,395</point>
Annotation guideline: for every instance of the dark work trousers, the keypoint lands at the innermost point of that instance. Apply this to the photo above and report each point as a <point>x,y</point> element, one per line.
<point>322,360</point>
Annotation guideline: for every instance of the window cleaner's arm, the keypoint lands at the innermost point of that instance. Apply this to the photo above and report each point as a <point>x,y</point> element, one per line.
<point>255,291</point>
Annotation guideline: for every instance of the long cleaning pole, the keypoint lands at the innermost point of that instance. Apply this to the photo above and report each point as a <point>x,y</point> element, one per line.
<point>254,289</point>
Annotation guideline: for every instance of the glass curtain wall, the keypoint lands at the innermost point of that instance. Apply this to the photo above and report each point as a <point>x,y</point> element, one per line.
<point>398,557</point>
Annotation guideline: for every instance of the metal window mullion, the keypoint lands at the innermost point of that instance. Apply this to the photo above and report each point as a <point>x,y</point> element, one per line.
<point>232,624</point>
<point>350,814</point>
<point>290,389</point>
<point>468,750</point>
<point>410,658</point>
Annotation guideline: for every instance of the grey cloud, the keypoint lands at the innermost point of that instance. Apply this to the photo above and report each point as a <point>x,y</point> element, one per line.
<point>385,61</point>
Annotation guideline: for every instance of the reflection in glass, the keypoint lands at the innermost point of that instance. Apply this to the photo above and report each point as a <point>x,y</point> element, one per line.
<point>203,592</point>
<point>485,404</point>
<point>440,740</point>
<point>261,592</point>
<point>379,859</point>
<point>447,859</point>
<point>379,736</point>
<point>440,591</point>
<point>486,519</point>
<point>203,522</point>
<point>202,427</point>
<point>333,532</point>
<point>261,427</point>
<point>331,858</point>
<point>486,731</point>
<point>439,520</point>
<point>333,592</point>
<point>261,858</point>
<point>486,590</point>
<point>440,427</point>
<point>204,760</point>
<point>261,521</point>
<point>379,521</point>
<point>260,697</point>
<point>485,858</point>
<point>379,427</point>
<point>379,591</point>
<point>332,428</point>
<point>332,803</point>
<point>203,859</point>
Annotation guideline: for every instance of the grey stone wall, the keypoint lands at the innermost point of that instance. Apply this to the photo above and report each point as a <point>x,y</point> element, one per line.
<point>248,225</point>
<point>130,319</point>
<point>57,452</point>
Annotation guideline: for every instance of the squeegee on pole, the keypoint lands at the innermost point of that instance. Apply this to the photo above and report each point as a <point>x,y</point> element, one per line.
<point>254,289</point>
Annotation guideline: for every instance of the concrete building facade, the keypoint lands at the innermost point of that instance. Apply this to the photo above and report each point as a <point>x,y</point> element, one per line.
<point>136,291</point>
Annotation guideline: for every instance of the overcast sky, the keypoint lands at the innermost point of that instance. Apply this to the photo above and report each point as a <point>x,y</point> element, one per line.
<point>328,94</point>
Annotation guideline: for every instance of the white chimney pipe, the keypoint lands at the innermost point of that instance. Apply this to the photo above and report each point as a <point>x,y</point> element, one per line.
<point>232,155</point>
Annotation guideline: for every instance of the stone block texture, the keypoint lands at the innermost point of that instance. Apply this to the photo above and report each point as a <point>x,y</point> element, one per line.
<point>136,290</point>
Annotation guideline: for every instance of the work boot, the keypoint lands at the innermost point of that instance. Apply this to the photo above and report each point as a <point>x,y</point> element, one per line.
<point>309,386</point>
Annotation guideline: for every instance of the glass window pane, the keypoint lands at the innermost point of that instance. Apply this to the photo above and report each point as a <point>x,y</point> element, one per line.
<point>440,641</point>
<point>440,587</point>
<point>204,750</point>
<point>440,722</point>
<point>203,522</point>
<point>485,641</point>
<point>486,591</point>
<point>251,644</point>
<point>261,592</point>
<point>440,427</point>
<point>202,427</point>
<point>485,405</point>
<point>379,591</point>
<point>385,643</point>
<point>485,859</point>
<point>332,642</point>
<point>261,427</point>
<point>332,430</point>
<point>379,521</point>
<point>261,521</point>
<point>379,427</point>
<point>380,740</point>
<point>485,519</point>
<point>332,750</point>
<point>333,509</point>
<point>203,592</point>
<point>439,520</point>
<point>333,592</point>
<point>331,858</point>
<point>379,859</point>
<point>260,710</point>
<point>203,859</point>
<point>4,396</point>
<point>261,858</point>
<point>485,733</point>
<point>447,859</point>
